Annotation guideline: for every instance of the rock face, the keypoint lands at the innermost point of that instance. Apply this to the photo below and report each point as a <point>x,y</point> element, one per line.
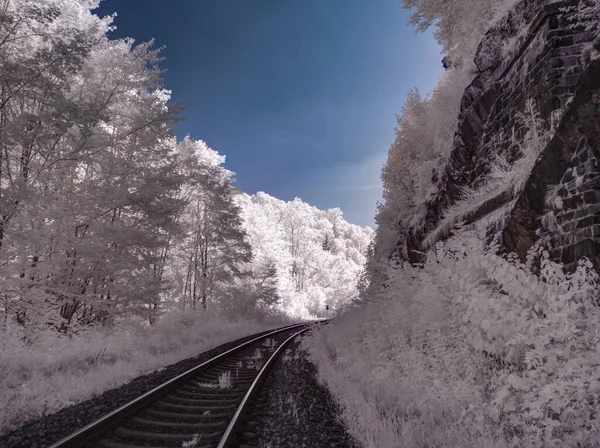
<point>572,228</point>
<point>547,61</point>
<point>570,168</point>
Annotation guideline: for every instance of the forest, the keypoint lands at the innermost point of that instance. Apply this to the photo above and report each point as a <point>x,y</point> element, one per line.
<point>116,237</point>
<point>467,318</point>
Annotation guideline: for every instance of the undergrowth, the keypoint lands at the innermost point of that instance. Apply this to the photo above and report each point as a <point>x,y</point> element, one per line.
<point>473,350</point>
<point>44,375</point>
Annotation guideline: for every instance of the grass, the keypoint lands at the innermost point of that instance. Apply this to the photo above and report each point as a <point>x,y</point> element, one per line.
<point>225,380</point>
<point>50,373</point>
<point>192,443</point>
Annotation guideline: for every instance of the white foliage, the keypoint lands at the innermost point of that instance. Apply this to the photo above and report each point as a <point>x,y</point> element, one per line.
<point>316,254</point>
<point>424,139</point>
<point>587,15</point>
<point>88,182</point>
<point>225,380</point>
<point>207,261</point>
<point>459,24</point>
<point>192,443</point>
<point>476,343</point>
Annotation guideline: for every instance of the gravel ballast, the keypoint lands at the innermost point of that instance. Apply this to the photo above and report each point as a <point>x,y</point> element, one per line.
<point>51,428</point>
<point>293,409</point>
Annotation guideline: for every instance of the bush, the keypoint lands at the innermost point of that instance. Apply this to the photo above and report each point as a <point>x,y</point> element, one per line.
<point>474,351</point>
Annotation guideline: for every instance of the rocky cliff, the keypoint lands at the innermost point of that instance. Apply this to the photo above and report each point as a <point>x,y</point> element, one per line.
<point>534,58</point>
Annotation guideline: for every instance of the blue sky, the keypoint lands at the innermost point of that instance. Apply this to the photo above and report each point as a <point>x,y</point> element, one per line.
<point>299,95</point>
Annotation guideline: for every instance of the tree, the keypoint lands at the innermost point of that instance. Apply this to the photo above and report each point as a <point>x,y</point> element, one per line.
<point>254,293</point>
<point>215,246</point>
<point>290,236</point>
<point>412,147</point>
<point>295,229</point>
<point>460,24</point>
<point>86,177</point>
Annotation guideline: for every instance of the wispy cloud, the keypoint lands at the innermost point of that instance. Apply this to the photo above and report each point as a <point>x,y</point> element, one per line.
<point>355,188</point>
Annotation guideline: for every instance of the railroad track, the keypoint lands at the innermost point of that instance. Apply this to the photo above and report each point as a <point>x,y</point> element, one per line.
<point>200,408</point>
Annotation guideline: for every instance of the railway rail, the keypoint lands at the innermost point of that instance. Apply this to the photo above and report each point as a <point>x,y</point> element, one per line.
<point>200,408</point>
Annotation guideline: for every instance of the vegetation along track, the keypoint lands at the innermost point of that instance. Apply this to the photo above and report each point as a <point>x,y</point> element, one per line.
<point>202,407</point>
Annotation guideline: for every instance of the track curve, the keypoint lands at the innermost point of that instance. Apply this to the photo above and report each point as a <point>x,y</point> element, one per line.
<point>200,408</point>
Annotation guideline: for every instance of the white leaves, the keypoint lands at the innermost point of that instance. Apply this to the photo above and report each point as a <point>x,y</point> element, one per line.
<point>586,15</point>
<point>196,438</point>
<point>318,256</point>
<point>485,324</point>
<point>558,203</point>
<point>543,333</point>
<point>96,183</point>
<point>533,359</point>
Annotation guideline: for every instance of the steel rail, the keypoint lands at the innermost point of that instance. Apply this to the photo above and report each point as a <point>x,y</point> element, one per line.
<point>228,439</point>
<point>87,434</point>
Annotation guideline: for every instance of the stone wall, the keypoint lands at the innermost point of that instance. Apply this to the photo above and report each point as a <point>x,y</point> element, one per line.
<point>569,169</point>
<point>545,69</point>
<point>571,227</point>
<point>544,63</point>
